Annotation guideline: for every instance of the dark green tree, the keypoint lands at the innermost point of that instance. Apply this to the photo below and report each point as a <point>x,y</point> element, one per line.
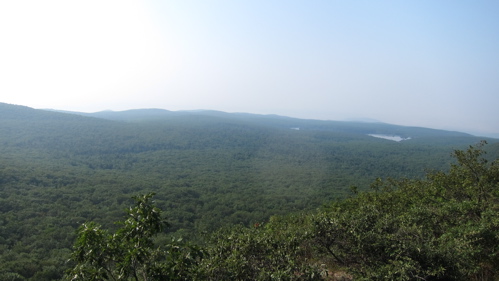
<point>130,253</point>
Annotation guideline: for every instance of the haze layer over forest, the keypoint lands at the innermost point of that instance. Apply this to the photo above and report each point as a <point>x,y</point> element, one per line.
<point>419,63</point>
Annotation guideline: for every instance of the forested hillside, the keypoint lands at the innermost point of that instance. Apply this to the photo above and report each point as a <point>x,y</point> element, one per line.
<point>208,169</point>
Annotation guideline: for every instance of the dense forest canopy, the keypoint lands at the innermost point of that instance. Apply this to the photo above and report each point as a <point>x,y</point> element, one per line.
<point>208,169</point>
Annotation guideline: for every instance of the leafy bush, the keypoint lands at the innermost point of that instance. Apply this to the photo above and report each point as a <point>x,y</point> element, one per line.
<point>130,253</point>
<point>274,251</point>
<point>443,227</point>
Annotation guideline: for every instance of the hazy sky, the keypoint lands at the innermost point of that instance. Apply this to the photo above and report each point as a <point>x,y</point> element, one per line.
<point>423,63</point>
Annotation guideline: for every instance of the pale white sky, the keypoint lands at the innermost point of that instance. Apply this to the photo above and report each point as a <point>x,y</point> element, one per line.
<point>420,63</point>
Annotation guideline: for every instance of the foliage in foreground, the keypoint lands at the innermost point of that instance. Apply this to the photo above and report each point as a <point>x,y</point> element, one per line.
<point>279,250</point>
<point>130,253</point>
<point>272,252</point>
<point>445,227</point>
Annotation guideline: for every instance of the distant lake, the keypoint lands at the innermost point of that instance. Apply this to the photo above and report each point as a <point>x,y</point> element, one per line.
<point>388,137</point>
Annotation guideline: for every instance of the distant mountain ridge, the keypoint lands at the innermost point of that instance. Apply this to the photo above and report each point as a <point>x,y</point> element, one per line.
<point>355,126</point>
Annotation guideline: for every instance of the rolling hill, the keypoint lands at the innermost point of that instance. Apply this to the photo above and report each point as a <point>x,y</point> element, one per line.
<point>208,169</point>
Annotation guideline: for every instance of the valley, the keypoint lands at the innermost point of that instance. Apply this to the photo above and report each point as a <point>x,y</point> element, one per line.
<point>208,170</point>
